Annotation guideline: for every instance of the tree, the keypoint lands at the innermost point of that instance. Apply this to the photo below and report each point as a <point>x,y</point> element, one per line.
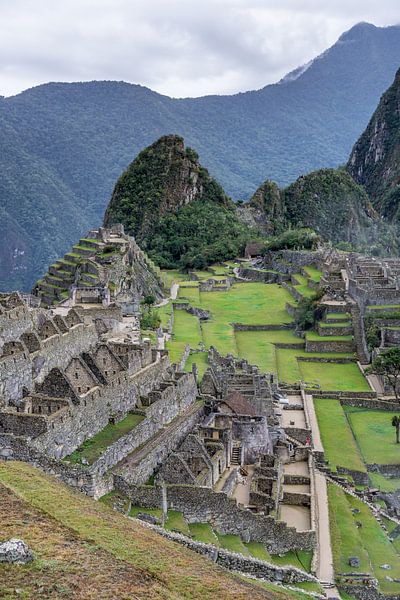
<point>387,364</point>
<point>396,423</point>
<point>148,300</point>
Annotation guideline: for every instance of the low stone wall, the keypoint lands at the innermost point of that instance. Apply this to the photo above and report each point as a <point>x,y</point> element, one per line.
<point>359,478</point>
<point>329,346</point>
<point>199,504</point>
<point>364,592</point>
<point>318,359</point>
<point>230,483</point>
<point>15,448</point>
<point>369,404</point>
<point>332,330</point>
<point>293,479</point>
<point>335,395</point>
<point>390,471</point>
<point>301,435</point>
<point>238,562</point>
<point>157,415</point>
<point>259,275</point>
<point>296,499</point>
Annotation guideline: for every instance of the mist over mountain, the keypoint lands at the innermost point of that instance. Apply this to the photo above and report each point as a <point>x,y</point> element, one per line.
<point>64,145</point>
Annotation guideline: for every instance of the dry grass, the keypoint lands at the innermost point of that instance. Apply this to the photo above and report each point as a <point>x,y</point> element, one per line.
<point>85,550</point>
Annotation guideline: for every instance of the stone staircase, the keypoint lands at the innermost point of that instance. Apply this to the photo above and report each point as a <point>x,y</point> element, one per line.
<point>236,455</point>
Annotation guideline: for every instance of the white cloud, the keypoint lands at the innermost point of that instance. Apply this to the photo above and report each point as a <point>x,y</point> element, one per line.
<point>177,47</point>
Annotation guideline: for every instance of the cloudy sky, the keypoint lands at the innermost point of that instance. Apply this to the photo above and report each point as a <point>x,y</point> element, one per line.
<point>177,47</point>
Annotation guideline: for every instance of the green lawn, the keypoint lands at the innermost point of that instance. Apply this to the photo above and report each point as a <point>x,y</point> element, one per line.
<point>313,273</point>
<point>258,346</point>
<point>375,435</point>
<point>249,303</point>
<point>233,543</point>
<point>369,542</point>
<point>336,436</point>
<point>201,360</point>
<point>258,550</point>
<point>154,512</point>
<point>338,316</point>
<point>173,276</point>
<point>203,532</point>
<point>384,483</point>
<point>95,446</point>
<point>290,368</point>
<point>190,293</point>
<point>176,522</point>
<point>300,559</point>
<point>186,331</point>
<point>345,536</point>
<point>334,376</point>
<point>165,312</point>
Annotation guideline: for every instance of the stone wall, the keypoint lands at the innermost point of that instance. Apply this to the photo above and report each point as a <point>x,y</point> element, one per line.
<point>92,414</point>
<point>158,414</point>
<point>16,448</point>
<point>15,374</point>
<point>329,346</point>
<point>238,562</point>
<point>155,454</point>
<point>203,505</point>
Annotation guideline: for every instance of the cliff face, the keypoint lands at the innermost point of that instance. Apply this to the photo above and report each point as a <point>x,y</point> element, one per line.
<point>264,211</point>
<point>375,159</point>
<point>177,212</point>
<point>163,178</point>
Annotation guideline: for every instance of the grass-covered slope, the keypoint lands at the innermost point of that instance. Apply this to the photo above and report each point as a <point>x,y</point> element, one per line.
<point>85,550</point>
<point>175,210</point>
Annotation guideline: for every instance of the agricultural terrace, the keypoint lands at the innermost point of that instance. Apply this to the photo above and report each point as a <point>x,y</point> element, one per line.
<point>253,303</point>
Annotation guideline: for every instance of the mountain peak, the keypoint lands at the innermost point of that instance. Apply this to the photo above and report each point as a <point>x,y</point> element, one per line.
<point>358,31</point>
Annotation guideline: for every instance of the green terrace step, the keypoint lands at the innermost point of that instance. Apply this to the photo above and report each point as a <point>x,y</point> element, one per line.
<point>65,263</point>
<point>90,242</point>
<point>312,336</point>
<point>83,250</point>
<point>73,258</point>
<point>337,317</point>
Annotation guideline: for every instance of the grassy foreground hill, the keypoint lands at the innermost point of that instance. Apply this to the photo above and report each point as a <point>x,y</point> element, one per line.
<point>83,549</point>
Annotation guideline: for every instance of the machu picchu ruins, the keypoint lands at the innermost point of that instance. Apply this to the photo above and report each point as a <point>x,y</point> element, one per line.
<point>199,302</point>
<point>204,445</point>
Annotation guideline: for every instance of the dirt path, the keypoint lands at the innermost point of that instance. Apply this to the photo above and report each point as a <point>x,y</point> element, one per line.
<point>325,560</point>
<point>242,491</point>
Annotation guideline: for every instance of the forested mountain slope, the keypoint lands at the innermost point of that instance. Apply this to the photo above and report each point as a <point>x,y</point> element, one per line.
<point>64,145</point>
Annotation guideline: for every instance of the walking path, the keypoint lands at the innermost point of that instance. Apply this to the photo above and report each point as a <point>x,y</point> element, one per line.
<point>242,490</point>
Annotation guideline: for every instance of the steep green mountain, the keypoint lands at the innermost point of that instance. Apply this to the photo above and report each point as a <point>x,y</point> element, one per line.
<point>375,159</point>
<point>327,200</point>
<point>178,213</point>
<point>64,145</point>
